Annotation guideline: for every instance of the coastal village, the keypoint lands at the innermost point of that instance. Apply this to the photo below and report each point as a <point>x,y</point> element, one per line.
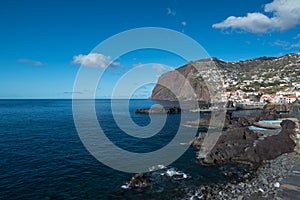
<point>265,80</point>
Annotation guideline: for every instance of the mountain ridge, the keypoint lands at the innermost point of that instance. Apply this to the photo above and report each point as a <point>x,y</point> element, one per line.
<point>259,74</point>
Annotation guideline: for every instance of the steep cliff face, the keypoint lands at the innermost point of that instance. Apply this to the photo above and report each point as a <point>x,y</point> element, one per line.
<point>177,82</point>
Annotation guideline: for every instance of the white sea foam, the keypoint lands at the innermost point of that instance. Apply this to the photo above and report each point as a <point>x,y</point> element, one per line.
<point>157,167</point>
<point>176,174</point>
<point>125,186</point>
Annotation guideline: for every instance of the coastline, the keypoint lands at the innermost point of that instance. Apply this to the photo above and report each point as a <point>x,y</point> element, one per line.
<point>272,169</point>
<point>268,169</point>
<point>261,183</point>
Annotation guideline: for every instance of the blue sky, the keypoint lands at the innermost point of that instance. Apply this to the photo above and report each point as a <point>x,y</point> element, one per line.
<point>43,43</point>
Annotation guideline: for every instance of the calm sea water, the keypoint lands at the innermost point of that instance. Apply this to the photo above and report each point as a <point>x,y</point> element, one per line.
<point>42,156</point>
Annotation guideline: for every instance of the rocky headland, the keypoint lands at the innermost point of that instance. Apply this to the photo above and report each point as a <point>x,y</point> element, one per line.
<point>176,82</point>
<point>264,74</point>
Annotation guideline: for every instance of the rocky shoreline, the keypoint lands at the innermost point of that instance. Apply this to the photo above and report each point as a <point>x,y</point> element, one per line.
<point>261,183</point>
<point>271,156</point>
<point>239,144</point>
<point>273,153</point>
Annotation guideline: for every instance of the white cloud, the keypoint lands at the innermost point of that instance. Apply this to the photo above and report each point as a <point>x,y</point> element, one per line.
<point>297,36</point>
<point>159,67</point>
<point>31,62</point>
<point>171,12</point>
<point>183,23</point>
<point>281,43</point>
<point>285,15</point>
<point>253,22</point>
<point>288,45</point>
<point>139,65</point>
<point>94,60</point>
<point>156,67</point>
<point>295,45</point>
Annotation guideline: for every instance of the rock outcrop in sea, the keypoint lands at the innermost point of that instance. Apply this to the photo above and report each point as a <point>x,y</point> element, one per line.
<point>159,110</point>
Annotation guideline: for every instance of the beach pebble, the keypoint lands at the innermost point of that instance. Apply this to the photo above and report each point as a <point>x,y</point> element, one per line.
<point>277,185</point>
<point>264,181</point>
<point>240,197</point>
<point>261,190</point>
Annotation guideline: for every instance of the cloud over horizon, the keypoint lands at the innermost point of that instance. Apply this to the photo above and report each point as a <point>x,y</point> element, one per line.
<point>30,62</point>
<point>285,15</point>
<point>159,67</point>
<point>95,60</point>
<point>287,45</point>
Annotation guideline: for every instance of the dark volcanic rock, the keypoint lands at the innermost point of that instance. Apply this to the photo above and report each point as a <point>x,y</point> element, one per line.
<point>229,104</point>
<point>139,180</point>
<point>173,85</point>
<point>241,145</point>
<point>247,121</point>
<point>258,183</point>
<point>296,109</point>
<point>204,122</point>
<point>270,111</point>
<point>159,110</point>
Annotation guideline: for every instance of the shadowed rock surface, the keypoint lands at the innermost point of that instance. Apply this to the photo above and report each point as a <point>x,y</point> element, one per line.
<point>242,145</point>
<point>139,180</point>
<point>296,109</point>
<point>204,122</point>
<point>177,82</point>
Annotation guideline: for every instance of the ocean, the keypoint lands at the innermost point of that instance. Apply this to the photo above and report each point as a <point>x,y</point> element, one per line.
<point>42,156</point>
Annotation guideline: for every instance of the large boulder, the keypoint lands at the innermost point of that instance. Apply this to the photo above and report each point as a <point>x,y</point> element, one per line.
<point>247,121</point>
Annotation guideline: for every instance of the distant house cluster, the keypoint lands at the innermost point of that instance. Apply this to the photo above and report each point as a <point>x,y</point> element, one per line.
<point>266,79</point>
<point>274,81</point>
<point>279,97</point>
